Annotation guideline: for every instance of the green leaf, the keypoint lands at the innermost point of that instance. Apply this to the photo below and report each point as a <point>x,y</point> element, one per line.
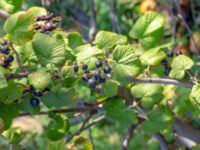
<point>56,145</point>
<point>40,79</point>
<point>61,97</point>
<point>37,11</point>
<point>152,57</point>
<point>116,109</point>
<point>11,93</point>
<point>74,39</point>
<point>179,65</point>
<point>57,127</point>
<point>10,5</point>
<point>3,81</point>
<point>69,77</point>
<point>20,27</point>
<point>7,113</point>
<point>148,29</point>
<point>195,94</point>
<point>145,90</point>
<point>110,89</point>
<point>88,54</point>
<point>158,120</point>
<point>126,63</point>
<point>26,53</point>
<point>49,49</point>
<point>149,101</point>
<point>107,40</point>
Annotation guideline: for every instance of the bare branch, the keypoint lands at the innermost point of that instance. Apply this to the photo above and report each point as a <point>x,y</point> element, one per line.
<point>16,76</point>
<point>161,81</point>
<point>161,140</point>
<point>187,134</point>
<point>3,14</point>
<point>81,128</point>
<point>99,119</point>
<point>128,137</point>
<point>84,109</point>
<point>93,29</point>
<point>185,24</point>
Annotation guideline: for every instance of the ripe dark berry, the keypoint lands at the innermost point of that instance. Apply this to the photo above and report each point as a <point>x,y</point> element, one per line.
<point>75,67</point>
<point>4,50</point>
<point>170,54</point>
<point>3,42</point>
<point>37,93</point>
<point>98,64</point>
<point>34,102</point>
<point>107,69</point>
<point>38,18</point>
<point>48,26</point>
<point>91,83</point>
<point>97,74</point>
<point>48,17</point>
<point>101,79</point>
<point>84,67</point>
<point>5,64</point>
<point>98,90</point>
<point>167,71</point>
<point>10,58</point>
<point>177,52</point>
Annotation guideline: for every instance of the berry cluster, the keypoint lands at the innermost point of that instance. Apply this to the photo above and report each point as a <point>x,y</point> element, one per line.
<point>6,59</point>
<point>174,53</point>
<point>34,101</point>
<point>97,77</point>
<point>46,23</point>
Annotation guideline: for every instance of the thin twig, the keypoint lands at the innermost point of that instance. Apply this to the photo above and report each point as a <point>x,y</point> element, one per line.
<point>81,128</point>
<point>128,137</point>
<point>3,14</point>
<point>19,61</point>
<point>114,18</point>
<point>161,140</point>
<point>162,81</point>
<point>84,109</point>
<point>16,76</point>
<point>93,28</point>
<point>99,119</point>
<point>185,24</point>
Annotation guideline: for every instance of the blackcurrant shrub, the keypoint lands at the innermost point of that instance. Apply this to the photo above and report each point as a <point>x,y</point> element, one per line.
<point>4,42</point>
<point>97,74</point>
<point>4,50</point>
<point>101,79</point>
<point>177,52</point>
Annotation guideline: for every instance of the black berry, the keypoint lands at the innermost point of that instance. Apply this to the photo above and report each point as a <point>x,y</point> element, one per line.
<point>91,83</point>
<point>177,52</point>
<point>5,64</point>
<point>98,90</point>
<point>98,64</point>
<point>101,79</point>
<point>34,102</point>
<point>84,67</point>
<point>3,42</point>
<point>4,50</point>
<point>48,26</point>
<point>167,71</point>
<point>170,54</point>
<point>97,74</point>
<point>107,69</point>
<point>10,58</point>
<point>37,93</point>
<point>75,67</point>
